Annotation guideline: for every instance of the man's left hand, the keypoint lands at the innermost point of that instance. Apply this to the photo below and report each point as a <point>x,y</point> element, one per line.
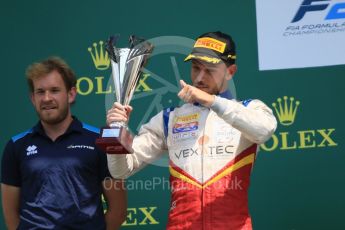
<point>191,94</point>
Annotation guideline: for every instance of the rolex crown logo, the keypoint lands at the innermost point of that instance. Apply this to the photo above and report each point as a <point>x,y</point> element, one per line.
<point>99,57</point>
<point>286,110</point>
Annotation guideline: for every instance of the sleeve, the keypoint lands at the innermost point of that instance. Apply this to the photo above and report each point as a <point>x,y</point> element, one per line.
<point>10,166</point>
<point>103,166</point>
<point>147,146</point>
<point>256,120</point>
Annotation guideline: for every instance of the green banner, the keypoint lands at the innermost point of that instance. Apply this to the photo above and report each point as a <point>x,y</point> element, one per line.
<point>297,181</point>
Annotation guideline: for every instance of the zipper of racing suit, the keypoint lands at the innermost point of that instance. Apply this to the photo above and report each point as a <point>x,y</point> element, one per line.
<point>203,152</point>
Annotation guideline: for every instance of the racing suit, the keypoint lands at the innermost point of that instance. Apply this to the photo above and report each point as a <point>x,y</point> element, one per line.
<point>211,154</point>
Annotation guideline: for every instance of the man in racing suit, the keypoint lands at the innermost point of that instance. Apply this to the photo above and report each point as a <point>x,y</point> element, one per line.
<point>212,142</point>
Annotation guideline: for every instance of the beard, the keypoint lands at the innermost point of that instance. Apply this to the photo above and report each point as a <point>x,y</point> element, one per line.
<point>207,89</point>
<point>53,116</point>
<point>213,86</point>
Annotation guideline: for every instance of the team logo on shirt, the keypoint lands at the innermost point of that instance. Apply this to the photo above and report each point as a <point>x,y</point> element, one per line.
<point>183,136</point>
<point>185,127</point>
<point>31,150</point>
<point>187,118</point>
<point>186,123</point>
<point>80,147</point>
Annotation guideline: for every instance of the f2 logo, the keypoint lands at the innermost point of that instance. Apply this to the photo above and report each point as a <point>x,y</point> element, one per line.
<point>336,12</point>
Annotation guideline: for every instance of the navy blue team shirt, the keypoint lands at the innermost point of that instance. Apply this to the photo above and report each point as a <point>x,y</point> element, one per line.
<point>60,181</point>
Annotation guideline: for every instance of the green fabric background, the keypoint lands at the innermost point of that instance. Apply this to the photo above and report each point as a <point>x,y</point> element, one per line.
<point>296,188</point>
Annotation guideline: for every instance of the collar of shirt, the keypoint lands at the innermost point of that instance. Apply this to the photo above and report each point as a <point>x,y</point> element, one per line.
<point>75,126</point>
<point>226,94</point>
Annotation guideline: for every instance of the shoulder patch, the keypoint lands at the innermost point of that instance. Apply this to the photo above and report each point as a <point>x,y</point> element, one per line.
<point>21,135</point>
<point>246,102</point>
<point>91,128</point>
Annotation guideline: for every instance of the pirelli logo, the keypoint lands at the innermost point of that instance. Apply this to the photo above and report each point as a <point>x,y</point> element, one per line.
<point>187,118</point>
<point>210,43</point>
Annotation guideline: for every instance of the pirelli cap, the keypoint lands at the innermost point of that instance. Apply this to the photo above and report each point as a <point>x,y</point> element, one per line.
<point>214,47</point>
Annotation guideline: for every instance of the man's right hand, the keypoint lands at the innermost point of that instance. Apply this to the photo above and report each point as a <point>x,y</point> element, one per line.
<point>118,113</point>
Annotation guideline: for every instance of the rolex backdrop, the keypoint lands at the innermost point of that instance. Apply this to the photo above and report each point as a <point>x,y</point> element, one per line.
<point>298,178</point>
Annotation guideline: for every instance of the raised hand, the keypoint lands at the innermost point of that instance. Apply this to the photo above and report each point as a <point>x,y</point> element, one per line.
<point>191,94</point>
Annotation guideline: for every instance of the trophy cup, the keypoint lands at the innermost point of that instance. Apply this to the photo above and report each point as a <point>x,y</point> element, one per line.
<point>126,65</point>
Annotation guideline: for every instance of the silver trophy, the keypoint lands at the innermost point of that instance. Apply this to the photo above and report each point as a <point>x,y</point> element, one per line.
<point>126,65</point>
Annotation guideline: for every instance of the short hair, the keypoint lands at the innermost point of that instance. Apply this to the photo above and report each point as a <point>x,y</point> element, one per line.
<point>39,69</point>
